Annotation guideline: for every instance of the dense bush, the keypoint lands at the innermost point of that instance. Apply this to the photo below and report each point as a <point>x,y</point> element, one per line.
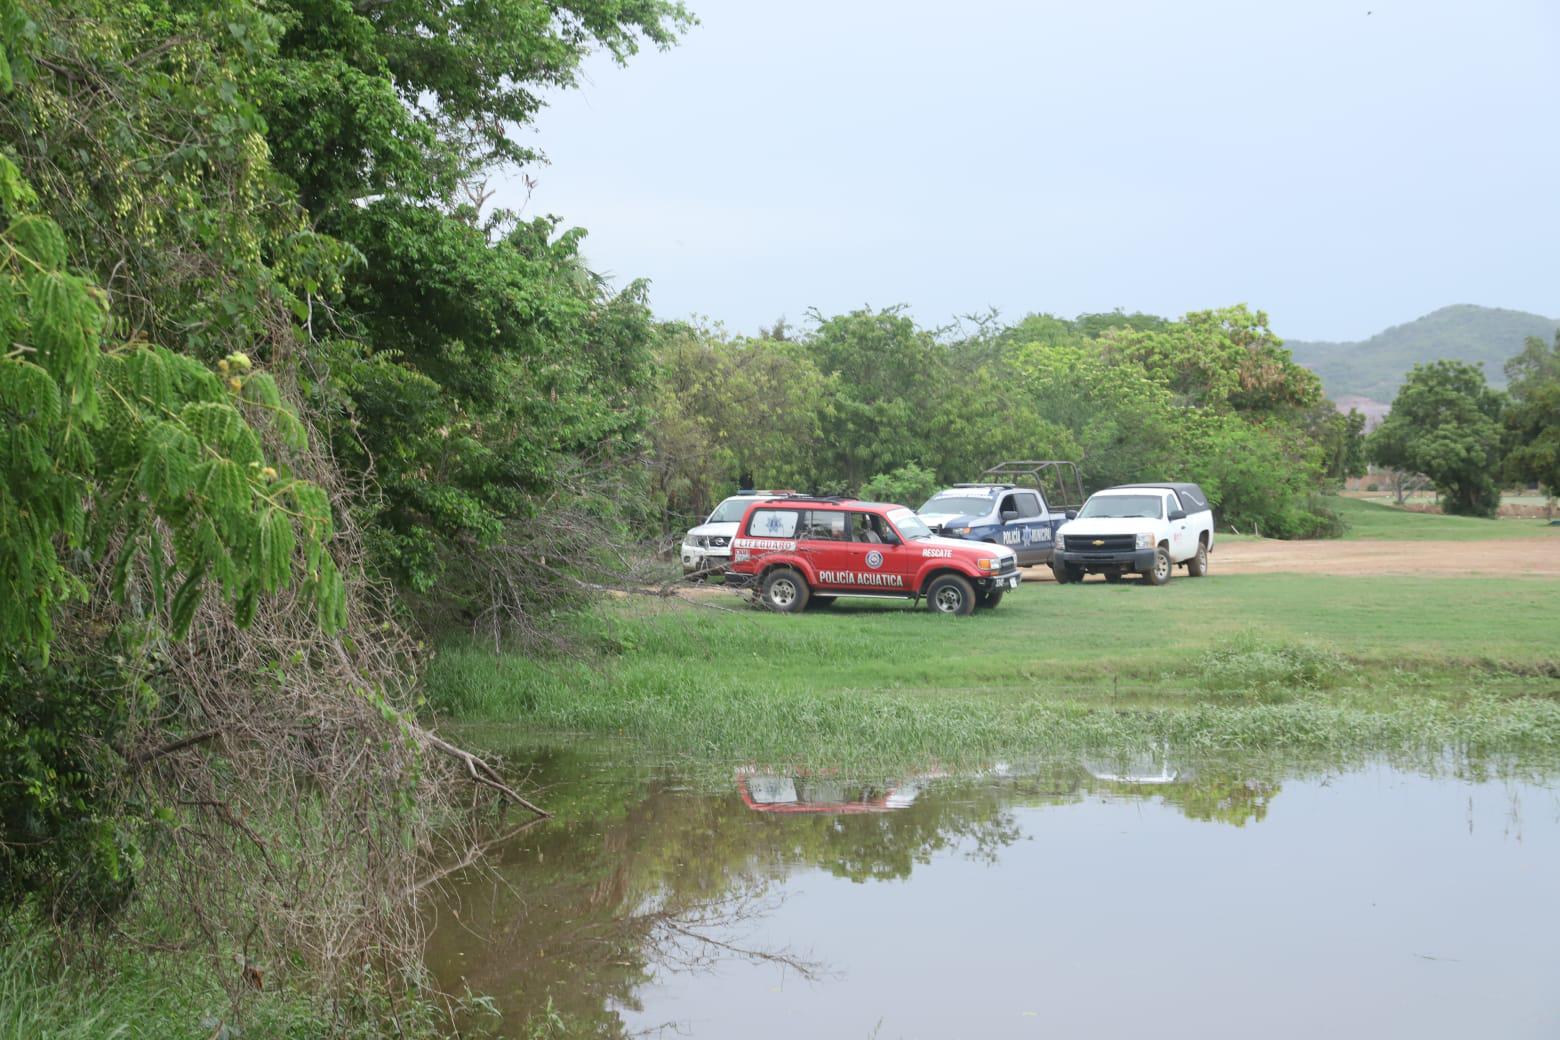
<point>868,403</point>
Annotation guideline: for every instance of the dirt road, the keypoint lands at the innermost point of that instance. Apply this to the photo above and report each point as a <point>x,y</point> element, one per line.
<point>1539,556</point>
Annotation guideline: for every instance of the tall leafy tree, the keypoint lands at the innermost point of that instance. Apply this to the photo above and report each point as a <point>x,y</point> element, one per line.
<point>1533,419</point>
<point>1446,423</point>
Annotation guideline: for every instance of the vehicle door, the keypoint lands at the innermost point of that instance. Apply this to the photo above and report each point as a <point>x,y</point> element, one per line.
<point>825,544</point>
<point>1035,522</point>
<point>1017,511</point>
<point>1182,542</point>
<point>878,559</point>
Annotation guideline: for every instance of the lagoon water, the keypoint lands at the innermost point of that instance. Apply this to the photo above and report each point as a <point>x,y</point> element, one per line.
<point>1146,898</point>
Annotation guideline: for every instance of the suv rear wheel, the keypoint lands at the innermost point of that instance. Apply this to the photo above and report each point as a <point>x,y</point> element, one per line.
<point>950,594</point>
<point>784,590</point>
<point>1197,566</point>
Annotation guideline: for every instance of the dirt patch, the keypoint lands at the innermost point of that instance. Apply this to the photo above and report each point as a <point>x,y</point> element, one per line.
<point>1517,557</point>
<point>1505,558</point>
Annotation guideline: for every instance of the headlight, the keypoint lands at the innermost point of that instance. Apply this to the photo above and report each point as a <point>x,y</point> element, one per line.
<point>958,531</point>
<point>1145,541</point>
<point>989,563</point>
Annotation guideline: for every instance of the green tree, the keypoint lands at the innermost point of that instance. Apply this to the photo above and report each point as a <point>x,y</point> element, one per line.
<point>1446,424</point>
<point>129,454</point>
<point>733,408</point>
<point>1341,438</point>
<point>908,485</point>
<point>1533,419</point>
<point>1226,358</point>
<point>887,373</point>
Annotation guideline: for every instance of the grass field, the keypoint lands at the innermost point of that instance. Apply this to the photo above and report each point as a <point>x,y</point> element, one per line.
<point>1281,660</point>
<point>1372,520</point>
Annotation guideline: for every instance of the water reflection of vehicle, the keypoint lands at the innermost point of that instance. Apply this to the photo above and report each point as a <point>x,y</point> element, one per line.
<point>1148,768</point>
<point>800,793</point>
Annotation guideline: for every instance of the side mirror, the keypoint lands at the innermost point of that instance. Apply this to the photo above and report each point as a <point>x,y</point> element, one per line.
<point>1178,514</point>
<point>1009,515</point>
<point>1072,514</point>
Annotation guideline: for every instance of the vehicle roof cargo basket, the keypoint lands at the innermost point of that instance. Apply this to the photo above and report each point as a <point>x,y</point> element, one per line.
<point>1056,479</point>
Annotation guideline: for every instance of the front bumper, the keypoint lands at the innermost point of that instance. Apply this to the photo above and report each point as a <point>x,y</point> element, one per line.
<point>1116,561</point>
<point>698,558</point>
<point>1005,581</point>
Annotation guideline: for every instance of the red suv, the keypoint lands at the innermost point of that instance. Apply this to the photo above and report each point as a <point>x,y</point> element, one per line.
<point>797,549</point>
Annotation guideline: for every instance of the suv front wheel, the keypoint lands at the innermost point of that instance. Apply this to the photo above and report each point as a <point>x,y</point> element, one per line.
<point>784,590</point>
<point>950,594</point>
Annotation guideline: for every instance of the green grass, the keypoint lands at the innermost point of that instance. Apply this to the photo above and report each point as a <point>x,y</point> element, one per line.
<point>1372,520</point>
<point>1293,661</point>
<point>77,985</point>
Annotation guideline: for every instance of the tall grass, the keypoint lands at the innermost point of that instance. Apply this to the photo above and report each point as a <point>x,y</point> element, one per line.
<point>65,985</point>
<point>1274,662</point>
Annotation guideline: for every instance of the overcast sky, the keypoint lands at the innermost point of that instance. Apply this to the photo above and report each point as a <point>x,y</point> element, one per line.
<point>1343,165</point>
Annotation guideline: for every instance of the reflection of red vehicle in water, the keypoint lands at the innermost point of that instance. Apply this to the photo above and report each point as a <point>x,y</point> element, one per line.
<point>785,793</point>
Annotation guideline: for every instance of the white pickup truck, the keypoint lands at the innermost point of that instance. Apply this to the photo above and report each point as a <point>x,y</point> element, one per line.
<point>1146,529</point>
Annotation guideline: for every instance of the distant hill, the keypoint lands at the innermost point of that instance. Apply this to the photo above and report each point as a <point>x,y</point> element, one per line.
<point>1374,369</point>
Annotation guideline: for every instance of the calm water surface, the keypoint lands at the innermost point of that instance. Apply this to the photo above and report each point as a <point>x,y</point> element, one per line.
<point>1144,898</point>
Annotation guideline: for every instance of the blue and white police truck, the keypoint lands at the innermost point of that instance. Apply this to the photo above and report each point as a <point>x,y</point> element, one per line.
<point>1004,511</point>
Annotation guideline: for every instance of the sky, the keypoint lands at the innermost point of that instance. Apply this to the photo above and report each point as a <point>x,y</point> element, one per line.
<point>1345,166</point>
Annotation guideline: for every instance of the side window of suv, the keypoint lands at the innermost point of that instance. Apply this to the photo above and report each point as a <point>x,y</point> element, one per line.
<point>871,528</point>
<point>825,526</point>
<point>1009,505</point>
<point>773,523</point>
<point>1028,505</point>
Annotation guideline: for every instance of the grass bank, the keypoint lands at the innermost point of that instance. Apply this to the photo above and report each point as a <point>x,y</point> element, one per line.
<point>1235,662</point>
<point>1373,520</point>
<point>77,985</point>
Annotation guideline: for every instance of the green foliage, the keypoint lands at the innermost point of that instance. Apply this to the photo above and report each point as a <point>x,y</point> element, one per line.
<point>1341,438</point>
<point>867,395</point>
<point>1446,424</point>
<point>1533,419</point>
<point>408,97</point>
<point>1255,668</point>
<point>726,409</point>
<point>59,837</point>
<point>485,367</point>
<point>909,485</point>
<point>135,454</point>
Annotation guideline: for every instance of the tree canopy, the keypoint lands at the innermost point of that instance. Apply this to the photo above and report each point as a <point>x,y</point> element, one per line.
<point>1446,424</point>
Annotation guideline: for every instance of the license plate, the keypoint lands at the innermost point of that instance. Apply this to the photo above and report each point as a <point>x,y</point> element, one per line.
<point>1010,583</point>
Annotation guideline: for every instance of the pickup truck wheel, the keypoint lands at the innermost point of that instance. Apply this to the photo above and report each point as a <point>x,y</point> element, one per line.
<point>950,594</point>
<point>784,591</point>
<point>1197,566</point>
<point>1065,574</point>
<point>988,600</point>
<point>1113,576</point>
<point>1160,574</point>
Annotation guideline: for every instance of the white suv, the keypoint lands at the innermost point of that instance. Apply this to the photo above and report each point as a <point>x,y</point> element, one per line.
<point>706,549</point>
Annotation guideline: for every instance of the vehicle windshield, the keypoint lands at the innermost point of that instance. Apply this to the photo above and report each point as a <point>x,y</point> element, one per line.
<point>729,511</point>
<point>909,525</point>
<point>1123,505</point>
<point>961,505</point>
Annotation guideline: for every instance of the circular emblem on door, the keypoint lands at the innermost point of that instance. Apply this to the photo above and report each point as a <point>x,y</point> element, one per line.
<point>874,559</point>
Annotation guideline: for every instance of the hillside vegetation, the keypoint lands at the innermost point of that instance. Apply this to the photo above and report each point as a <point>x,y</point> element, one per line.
<point>1374,368</point>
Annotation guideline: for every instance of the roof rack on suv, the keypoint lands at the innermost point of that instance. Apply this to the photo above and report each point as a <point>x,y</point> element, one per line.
<point>1057,479</point>
<point>831,499</point>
